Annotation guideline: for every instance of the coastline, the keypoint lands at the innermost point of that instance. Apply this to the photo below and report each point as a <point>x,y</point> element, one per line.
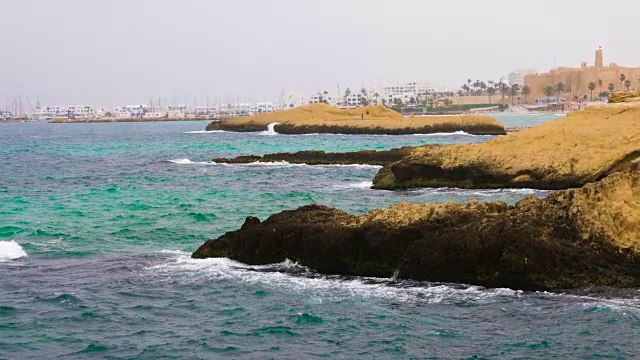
<point>378,120</point>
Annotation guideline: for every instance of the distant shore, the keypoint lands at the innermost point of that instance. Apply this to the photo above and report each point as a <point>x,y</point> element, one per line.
<point>376,120</point>
<point>118,120</point>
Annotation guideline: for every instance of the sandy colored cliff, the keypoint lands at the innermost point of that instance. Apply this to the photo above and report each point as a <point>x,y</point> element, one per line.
<point>567,152</point>
<point>322,118</point>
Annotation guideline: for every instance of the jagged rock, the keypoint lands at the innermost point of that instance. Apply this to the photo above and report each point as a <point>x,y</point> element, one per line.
<point>365,157</point>
<point>572,238</point>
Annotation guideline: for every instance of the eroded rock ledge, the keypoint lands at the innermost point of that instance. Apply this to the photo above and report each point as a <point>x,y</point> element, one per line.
<point>313,157</point>
<point>372,120</point>
<point>572,238</point>
<point>583,147</point>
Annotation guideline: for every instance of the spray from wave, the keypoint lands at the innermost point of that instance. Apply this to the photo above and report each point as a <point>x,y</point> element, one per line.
<point>455,133</point>
<point>290,276</point>
<point>271,130</point>
<point>11,250</point>
<point>189,162</point>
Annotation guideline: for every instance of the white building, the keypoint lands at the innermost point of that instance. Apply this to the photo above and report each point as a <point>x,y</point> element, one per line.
<point>517,76</point>
<point>130,111</point>
<point>78,111</point>
<point>405,92</point>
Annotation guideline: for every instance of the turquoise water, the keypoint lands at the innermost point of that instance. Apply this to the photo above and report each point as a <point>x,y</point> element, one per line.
<point>107,215</point>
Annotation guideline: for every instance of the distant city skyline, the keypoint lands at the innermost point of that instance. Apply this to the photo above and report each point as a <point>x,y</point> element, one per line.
<point>111,53</point>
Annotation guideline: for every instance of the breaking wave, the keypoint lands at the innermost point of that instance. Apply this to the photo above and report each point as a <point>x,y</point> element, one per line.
<point>290,276</point>
<point>189,162</point>
<point>11,250</point>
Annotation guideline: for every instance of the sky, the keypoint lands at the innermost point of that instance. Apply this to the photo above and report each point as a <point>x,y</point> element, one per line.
<point>117,52</point>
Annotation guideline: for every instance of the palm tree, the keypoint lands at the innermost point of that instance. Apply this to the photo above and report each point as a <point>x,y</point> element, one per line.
<point>466,88</point>
<point>559,90</point>
<point>483,86</point>
<point>592,86</point>
<point>504,90</point>
<point>611,87</point>
<point>513,92</point>
<point>600,84</point>
<point>526,90</point>
<point>622,78</point>
<point>376,95</point>
<point>627,84</point>
<point>491,91</point>
<point>548,92</point>
<point>346,95</point>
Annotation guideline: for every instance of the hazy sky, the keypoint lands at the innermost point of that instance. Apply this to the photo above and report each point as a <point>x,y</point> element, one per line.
<point>115,52</point>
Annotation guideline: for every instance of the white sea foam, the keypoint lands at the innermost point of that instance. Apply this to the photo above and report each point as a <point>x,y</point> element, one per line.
<point>481,192</point>
<point>189,162</point>
<point>358,185</point>
<point>285,164</point>
<point>204,132</point>
<point>359,166</point>
<point>270,130</point>
<point>11,250</point>
<point>455,133</point>
<point>291,277</point>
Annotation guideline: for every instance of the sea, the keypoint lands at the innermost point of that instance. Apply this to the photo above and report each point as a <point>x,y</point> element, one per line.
<point>98,221</point>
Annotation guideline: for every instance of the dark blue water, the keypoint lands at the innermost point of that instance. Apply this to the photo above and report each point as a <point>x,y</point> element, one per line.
<point>97,222</point>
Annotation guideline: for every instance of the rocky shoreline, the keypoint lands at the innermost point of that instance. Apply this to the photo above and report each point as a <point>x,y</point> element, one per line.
<point>294,129</point>
<point>586,232</point>
<point>374,120</point>
<point>572,238</point>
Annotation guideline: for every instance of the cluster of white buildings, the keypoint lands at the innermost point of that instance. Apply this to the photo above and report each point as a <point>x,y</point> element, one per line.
<point>389,95</point>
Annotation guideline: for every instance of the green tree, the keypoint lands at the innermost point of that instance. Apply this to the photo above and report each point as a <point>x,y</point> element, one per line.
<point>526,90</point>
<point>346,95</point>
<point>376,96</point>
<point>627,84</point>
<point>384,102</point>
<point>592,86</point>
<point>548,91</point>
<point>447,102</point>
<point>600,84</point>
<point>622,78</point>
<point>513,92</point>
<point>611,87</point>
<point>491,91</point>
<point>504,90</point>
<point>559,90</point>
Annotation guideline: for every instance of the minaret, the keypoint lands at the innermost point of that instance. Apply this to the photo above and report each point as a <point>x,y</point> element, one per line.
<point>599,61</point>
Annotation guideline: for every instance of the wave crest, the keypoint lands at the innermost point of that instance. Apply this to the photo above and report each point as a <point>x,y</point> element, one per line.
<point>11,250</point>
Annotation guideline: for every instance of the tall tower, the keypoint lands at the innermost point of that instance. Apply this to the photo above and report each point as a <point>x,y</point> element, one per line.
<point>599,61</point>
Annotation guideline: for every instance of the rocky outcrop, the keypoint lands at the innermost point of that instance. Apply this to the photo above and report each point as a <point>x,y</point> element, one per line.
<point>572,238</point>
<point>374,120</point>
<point>581,148</point>
<point>364,157</point>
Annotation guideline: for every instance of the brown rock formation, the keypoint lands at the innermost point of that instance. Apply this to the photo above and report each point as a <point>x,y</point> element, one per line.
<point>572,238</point>
<point>322,118</point>
<point>569,152</point>
<point>365,157</point>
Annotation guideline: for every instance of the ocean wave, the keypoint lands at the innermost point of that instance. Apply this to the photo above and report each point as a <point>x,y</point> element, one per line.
<point>287,164</point>
<point>189,162</point>
<point>358,185</point>
<point>455,133</point>
<point>204,131</point>
<point>290,276</point>
<point>270,130</point>
<point>11,250</point>
<point>481,192</point>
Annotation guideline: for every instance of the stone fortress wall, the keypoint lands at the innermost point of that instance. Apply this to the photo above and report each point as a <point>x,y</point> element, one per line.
<point>576,80</point>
